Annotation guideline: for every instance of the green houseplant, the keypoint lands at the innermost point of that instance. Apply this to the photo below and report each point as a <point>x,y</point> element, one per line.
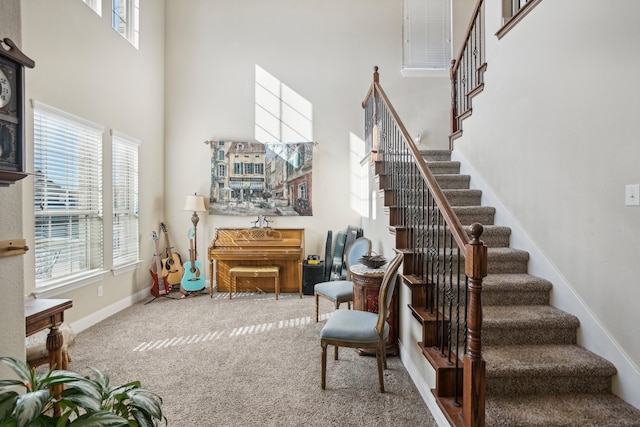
<point>85,400</point>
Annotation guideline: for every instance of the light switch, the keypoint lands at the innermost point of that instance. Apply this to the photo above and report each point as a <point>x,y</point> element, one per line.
<point>632,195</point>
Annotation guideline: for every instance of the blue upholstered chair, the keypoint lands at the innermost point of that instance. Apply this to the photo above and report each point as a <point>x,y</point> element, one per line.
<point>362,329</point>
<point>340,291</point>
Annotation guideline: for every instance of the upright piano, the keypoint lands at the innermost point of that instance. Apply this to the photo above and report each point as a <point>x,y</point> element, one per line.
<point>282,247</point>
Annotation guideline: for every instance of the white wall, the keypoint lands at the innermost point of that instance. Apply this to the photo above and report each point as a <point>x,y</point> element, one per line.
<point>85,68</point>
<point>557,126</point>
<point>325,52</point>
<point>11,306</point>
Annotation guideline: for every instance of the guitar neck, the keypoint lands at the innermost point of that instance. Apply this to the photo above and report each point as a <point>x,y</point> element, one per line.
<point>166,240</point>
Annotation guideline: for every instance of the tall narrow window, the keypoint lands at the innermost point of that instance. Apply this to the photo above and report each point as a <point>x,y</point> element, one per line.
<point>126,249</point>
<point>96,5</point>
<point>125,19</point>
<point>426,32</point>
<point>67,195</point>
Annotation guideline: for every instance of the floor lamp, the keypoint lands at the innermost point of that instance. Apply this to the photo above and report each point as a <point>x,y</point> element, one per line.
<point>195,204</point>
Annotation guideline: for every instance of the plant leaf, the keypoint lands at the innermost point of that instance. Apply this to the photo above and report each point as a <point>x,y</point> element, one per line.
<point>101,378</point>
<point>30,405</point>
<point>18,366</point>
<point>148,404</point>
<point>9,385</point>
<point>7,403</point>
<point>99,419</point>
<point>90,403</point>
<point>86,387</point>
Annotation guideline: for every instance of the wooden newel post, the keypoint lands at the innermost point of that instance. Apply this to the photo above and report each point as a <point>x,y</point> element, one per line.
<point>474,366</point>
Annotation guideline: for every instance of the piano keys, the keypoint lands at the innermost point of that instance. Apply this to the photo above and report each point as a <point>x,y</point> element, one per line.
<point>282,247</point>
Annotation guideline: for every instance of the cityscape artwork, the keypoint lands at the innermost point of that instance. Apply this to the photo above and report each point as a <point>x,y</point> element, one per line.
<point>255,178</point>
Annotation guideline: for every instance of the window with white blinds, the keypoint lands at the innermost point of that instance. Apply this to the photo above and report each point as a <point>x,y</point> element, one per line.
<point>426,32</point>
<point>125,19</point>
<point>126,246</point>
<point>67,196</point>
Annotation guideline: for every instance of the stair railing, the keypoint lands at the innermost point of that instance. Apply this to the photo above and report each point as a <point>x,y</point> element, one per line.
<point>435,245</point>
<point>467,72</point>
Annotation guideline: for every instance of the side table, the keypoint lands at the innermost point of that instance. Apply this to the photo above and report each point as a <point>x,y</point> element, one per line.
<point>40,314</point>
<point>366,287</point>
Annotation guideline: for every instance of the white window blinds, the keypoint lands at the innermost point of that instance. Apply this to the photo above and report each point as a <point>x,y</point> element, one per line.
<point>125,200</point>
<point>125,19</point>
<point>426,34</point>
<point>67,195</point>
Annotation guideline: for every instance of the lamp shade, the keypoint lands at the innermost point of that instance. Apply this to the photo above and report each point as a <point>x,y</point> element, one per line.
<point>195,203</point>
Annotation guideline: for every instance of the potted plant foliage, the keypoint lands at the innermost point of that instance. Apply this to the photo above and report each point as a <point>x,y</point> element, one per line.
<point>85,400</point>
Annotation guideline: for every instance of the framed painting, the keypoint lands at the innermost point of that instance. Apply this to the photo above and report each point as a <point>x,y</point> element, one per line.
<point>255,178</point>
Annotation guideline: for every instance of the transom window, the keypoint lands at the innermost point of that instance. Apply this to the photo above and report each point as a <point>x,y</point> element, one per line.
<point>96,5</point>
<point>125,19</point>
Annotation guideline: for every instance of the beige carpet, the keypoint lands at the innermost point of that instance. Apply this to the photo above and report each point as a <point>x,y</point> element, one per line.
<point>251,361</point>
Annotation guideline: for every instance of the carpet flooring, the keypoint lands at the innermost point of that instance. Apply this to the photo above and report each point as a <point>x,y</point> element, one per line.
<point>249,361</point>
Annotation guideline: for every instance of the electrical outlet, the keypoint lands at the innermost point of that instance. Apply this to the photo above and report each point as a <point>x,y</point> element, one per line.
<point>99,290</point>
<point>632,195</point>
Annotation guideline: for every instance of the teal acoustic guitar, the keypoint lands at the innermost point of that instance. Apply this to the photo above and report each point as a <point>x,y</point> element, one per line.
<point>193,280</point>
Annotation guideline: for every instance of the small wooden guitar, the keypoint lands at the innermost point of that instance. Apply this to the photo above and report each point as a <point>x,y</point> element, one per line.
<point>192,280</point>
<point>160,285</point>
<point>172,264</point>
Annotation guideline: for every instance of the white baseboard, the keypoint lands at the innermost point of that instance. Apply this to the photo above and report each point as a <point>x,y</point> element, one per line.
<point>591,335</point>
<point>422,387</point>
<point>100,315</point>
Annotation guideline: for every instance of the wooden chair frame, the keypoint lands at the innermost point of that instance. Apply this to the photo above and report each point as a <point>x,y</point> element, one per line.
<point>353,317</point>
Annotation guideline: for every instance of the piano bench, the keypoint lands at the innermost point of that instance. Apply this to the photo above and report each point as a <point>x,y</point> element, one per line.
<point>253,271</point>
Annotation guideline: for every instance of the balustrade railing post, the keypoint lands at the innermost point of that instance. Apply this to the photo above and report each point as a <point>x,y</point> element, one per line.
<point>474,366</point>
<point>453,119</point>
<point>376,117</point>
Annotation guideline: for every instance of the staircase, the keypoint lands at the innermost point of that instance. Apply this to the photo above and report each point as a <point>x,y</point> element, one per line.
<point>536,374</point>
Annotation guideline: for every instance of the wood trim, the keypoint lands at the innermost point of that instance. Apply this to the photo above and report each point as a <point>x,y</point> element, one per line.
<point>519,16</point>
<point>474,15</point>
<point>450,217</point>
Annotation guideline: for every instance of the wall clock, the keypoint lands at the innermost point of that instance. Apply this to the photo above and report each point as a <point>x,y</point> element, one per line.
<point>12,63</point>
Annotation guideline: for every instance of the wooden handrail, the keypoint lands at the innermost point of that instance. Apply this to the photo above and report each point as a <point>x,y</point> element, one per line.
<point>431,255</point>
<point>466,72</point>
<point>467,36</point>
<point>452,220</point>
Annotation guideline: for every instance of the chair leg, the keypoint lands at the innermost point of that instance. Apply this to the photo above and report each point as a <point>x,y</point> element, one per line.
<point>379,356</point>
<point>335,352</point>
<point>349,305</point>
<point>384,356</point>
<point>323,380</point>
<point>316,307</point>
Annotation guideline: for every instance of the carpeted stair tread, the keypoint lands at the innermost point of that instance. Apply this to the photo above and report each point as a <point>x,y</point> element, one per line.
<point>453,181</point>
<point>444,167</point>
<point>515,289</point>
<point>528,324</point>
<point>526,317</point>
<point>514,281</point>
<point>493,235</point>
<point>536,375</point>
<point>436,155</point>
<point>507,260</point>
<point>578,410</point>
<point>544,360</point>
<point>470,214</point>
<point>463,197</point>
